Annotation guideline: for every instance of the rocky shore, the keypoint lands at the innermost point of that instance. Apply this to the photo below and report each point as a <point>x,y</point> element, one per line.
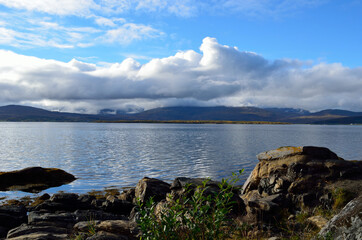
<point>290,191</point>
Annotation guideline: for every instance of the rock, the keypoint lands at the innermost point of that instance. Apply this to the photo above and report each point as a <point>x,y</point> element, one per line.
<point>34,179</point>
<point>182,185</point>
<point>107,236</point>
<point>114,205</point>
<point>318,221</point>
<point>300,174</point>
<point>122,227</point>
<point>10,217</point>
<point>87,215</point>
<point>347,224</point>
<point>66,202</point>
<point>65,198</point>
<point>27,229</point>
<point>151,187</point>
<point>127,195</point>
<point>41,236</point>
<point>64,220</point>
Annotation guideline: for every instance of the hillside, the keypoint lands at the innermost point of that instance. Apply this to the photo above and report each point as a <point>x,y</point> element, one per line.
<point>290,115</point>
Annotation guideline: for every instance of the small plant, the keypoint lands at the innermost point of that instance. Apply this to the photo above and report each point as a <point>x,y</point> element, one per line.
<point>202,215</point>
<point>91,230</point>
<point>341,197</point>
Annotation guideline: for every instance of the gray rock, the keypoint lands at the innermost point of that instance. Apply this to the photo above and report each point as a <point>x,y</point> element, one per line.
<point>107,236</point>
<point>86,215</point>
<point>25,229</point>
<point>151,187</point>
<point>128,195</point>
<point>65,220</point>
<point>347,224</point>
<point>114,205</point>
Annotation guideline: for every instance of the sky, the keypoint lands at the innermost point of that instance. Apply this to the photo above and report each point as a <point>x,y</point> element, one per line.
<point>87,55</point>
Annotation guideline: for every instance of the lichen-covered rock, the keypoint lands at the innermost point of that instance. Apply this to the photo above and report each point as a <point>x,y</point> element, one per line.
<point>300,173</point>
<point>34,179</point>
<point>151,187</point>
<point>347,224</point>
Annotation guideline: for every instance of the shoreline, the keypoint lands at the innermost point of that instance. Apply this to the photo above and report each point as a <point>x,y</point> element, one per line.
<point>285,196</point>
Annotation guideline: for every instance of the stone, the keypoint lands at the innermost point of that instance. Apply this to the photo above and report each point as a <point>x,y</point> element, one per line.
<point>117,226</point>
<point>41,236</point>
<point>318,221</point>
<point>107,236</point>
<point>301,174</point>
<point>127,195</point>
<point>34,179</point>
<point>25,229</point>
<point>183,185</point>
<point>347,224</point>
<point>65,198</point>
<point>151,187</point>
<point>114,205</point>
<point>65,220</point>
<point>11,217</point>
<point>86,215</point>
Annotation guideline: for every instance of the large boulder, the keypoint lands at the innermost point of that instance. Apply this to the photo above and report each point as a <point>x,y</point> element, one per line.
<point>291,179</point>
<point>34,179</point>
<point>347,224</point>
<point>301,173</point>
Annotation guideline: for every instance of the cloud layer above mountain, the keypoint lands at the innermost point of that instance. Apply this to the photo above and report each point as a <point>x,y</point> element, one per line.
<point>217,75</point>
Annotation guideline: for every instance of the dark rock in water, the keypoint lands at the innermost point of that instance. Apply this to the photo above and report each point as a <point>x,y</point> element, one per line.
<point>151,187</point>
<point>347,224</point>
<point>34,179</point>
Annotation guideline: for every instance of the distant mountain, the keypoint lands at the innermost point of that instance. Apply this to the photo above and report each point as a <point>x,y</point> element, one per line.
<point>32,114</point>
<point>330,116</point>
<point>324,115</point>
<point>343,120</point>
<point>207,113</point>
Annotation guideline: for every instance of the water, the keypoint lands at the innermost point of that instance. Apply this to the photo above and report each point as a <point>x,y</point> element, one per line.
<point>106,155</point>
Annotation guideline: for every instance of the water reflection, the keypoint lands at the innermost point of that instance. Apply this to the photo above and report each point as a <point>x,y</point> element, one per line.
<point>103,155</point>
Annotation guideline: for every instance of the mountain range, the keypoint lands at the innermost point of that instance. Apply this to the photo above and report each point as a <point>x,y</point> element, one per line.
<point>288,115</point>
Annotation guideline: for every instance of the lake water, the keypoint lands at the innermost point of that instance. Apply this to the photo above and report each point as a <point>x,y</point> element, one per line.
<point>104,155</point>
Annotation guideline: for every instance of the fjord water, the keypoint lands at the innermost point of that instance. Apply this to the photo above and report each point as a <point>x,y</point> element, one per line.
<point>106,155</point>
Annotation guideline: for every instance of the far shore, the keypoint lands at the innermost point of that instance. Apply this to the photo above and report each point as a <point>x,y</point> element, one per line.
<point>191,121</point>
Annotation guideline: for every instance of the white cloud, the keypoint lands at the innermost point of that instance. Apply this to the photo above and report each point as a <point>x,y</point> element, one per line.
<point>129,32</point>
<point>57,7</point>
<point>267,8</point>
<point>219,75</point>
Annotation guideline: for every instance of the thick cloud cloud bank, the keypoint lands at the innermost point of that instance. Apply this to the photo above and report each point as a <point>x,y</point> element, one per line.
<point>218,75</point>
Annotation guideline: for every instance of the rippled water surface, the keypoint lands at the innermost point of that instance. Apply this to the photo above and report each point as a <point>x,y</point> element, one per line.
<point>105,155</point>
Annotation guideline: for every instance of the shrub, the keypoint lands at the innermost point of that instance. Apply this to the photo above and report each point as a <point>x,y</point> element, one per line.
<point>201,216</point>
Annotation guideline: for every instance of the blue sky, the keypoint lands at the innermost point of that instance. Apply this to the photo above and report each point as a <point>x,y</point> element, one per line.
<point>85,55</point>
